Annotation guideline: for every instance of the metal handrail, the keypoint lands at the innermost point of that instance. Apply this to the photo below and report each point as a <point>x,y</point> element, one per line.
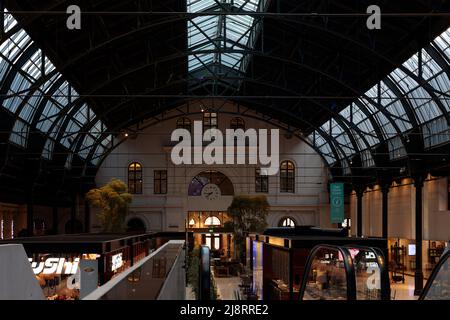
<point>384,271</point>
<point>434,273</point>
<point>348,266</point>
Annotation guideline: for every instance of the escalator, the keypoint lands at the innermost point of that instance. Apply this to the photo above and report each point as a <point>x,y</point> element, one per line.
<point>438,285</point>
<point>345,273</point>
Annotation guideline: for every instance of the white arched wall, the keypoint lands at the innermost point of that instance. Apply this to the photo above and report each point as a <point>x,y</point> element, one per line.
<point>308,206</point>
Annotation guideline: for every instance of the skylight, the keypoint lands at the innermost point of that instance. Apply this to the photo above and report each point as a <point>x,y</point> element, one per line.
<point>221,41</point>
<point>389,113</point>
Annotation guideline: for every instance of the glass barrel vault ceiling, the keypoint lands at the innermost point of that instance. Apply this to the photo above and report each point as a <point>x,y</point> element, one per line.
<point>415,94</point>
<point>42,100</point>
<point>218,43</point>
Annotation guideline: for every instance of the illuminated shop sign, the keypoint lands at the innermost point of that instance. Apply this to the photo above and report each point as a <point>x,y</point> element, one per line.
<point>55,266</point>
<point>116,262</point>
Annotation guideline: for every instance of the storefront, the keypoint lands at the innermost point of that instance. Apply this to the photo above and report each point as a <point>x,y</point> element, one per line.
<point>402,256</point>
<point>211,229</point>
<point>67,267</point>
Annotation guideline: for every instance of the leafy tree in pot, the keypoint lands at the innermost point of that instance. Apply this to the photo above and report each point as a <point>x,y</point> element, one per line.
<point>113,199</point>
<point>193,270</point>
<point>249,214</point>
<point>193,274</point>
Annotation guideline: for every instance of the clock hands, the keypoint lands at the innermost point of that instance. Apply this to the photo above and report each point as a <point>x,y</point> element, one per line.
<point>210,192</point>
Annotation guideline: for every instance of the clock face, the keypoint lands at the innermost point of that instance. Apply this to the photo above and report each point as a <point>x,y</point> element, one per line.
<point>211,192</point>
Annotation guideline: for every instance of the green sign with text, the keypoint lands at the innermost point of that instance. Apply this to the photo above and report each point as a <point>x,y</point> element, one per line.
<point>337,202</point>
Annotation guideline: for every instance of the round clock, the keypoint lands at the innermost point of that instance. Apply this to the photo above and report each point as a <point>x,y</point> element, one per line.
<point>211,192</point>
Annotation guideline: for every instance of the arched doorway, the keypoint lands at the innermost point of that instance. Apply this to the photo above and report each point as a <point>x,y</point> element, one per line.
<point>136,225</point>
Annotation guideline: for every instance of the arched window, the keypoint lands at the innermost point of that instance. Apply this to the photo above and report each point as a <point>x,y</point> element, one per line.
<point>184,123</point>
<point>287,177</point>
<point>237,123</point>
<point>212,221</point>
<point>135,178</point>
<point>191,223</point>
<point>287,222</point>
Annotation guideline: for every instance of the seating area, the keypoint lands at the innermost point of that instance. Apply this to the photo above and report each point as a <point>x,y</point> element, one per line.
<point>227,267</point>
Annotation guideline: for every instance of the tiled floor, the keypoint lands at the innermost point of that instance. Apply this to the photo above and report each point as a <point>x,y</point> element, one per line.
<point>404,291</point>
<point>227,286</point>
<point>399,291</point>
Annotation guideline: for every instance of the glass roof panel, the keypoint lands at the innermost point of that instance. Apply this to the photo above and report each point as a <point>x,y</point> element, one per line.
<point>355,115</point>
<point>392,106</point>
<point>9,21</point>
<point>86,146</point>
<point>436,132</point>
<point>221,33</point>
<point>341,137</point>
<point>200,5</point>
<point>443,43</point>
<point>412,64</point>
<point>32,67</point>
<point>383,122</point>
<point>324,147</point>
<point>424,105</point>
<point>430,68</point>
<point>25,97</point>
<point>15,99</point>
<point>19,133</point>
<point>389,108</point>
<point>14,45</point>
<point>32,103</point>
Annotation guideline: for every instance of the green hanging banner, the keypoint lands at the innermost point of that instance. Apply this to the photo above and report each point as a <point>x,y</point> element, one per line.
<point>337,202</point>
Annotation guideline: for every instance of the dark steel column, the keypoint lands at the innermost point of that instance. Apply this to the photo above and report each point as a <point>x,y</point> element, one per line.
<point>385,209</point>
<point>55,220</point>
<point>30,219</point>
<point>87,217</point>
<point>291,274</point>
<point>73,215</point>
<point>418,275</point>
<point>359,213</point>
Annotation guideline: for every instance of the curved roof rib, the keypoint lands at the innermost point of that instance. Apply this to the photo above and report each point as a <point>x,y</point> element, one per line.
<point>39,97</point>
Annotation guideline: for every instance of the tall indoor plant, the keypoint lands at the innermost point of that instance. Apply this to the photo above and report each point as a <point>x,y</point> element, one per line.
<point>248,214</point>
<point>113,199</point>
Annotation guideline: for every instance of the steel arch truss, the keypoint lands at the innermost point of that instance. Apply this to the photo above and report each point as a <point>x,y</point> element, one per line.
<point>39,98</point>
<point>411,101</point>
